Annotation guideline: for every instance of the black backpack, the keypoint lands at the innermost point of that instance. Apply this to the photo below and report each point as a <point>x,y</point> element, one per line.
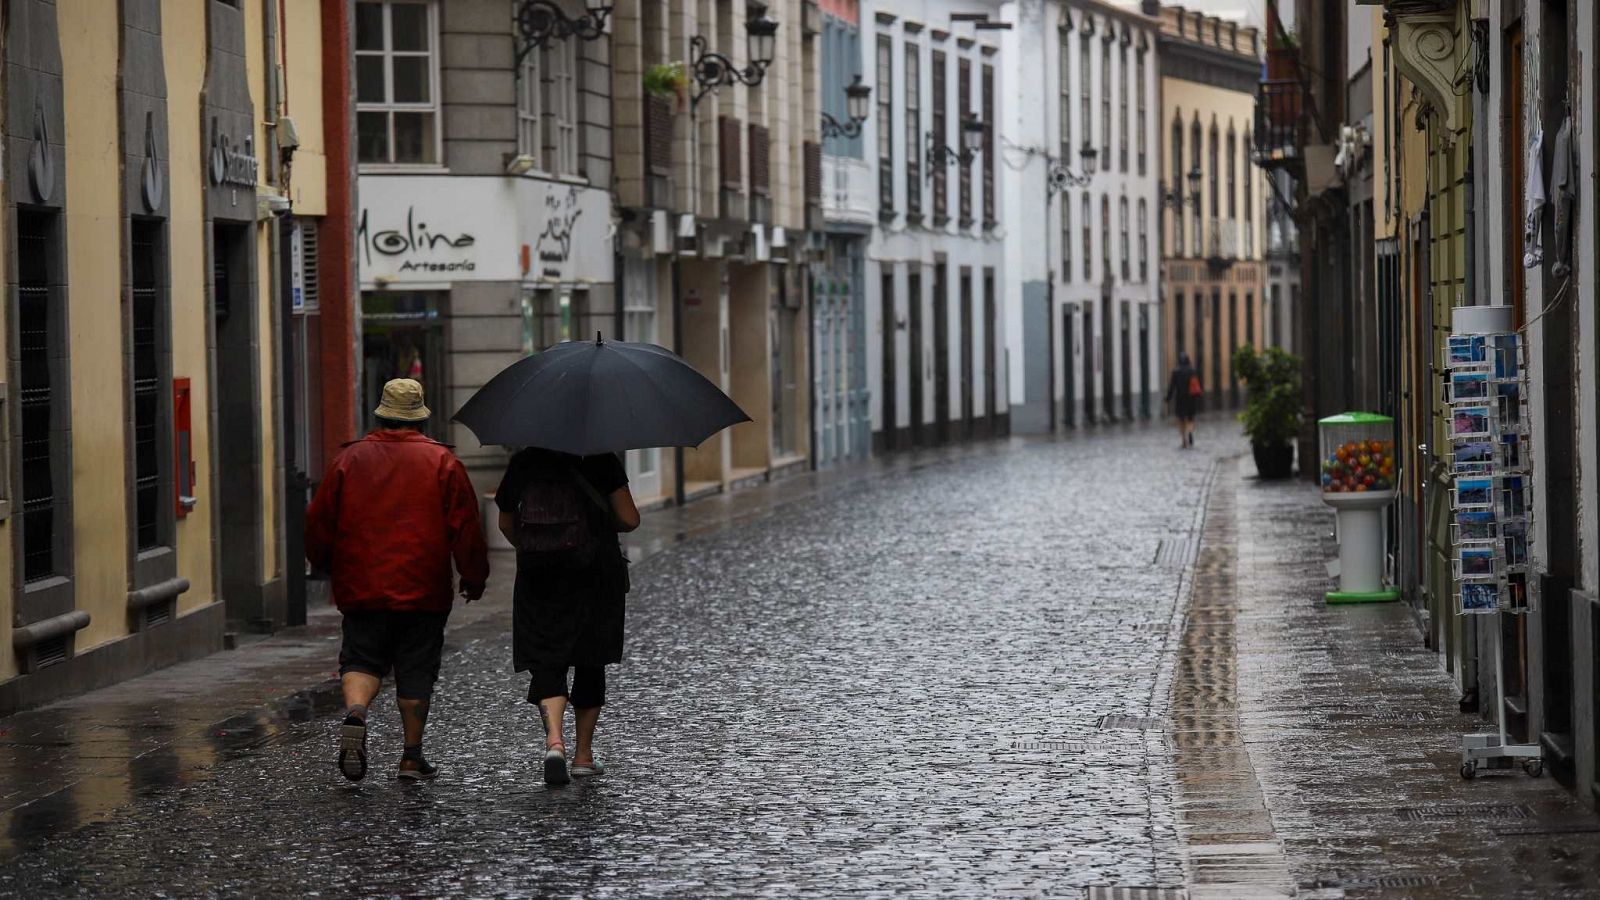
<point>553,518</point>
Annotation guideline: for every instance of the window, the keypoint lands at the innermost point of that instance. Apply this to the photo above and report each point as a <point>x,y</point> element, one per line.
<point>1088,240</point>
<point>885,95</point>
<point>39,341</point>
<point>988,147</point>
<point>1178,186</point>
<point>1139,124</point>
<point>1213,170</point>
<point>1105,234</point>
<point>560,131</point>
<point>1122,108</point>
<point>639,324</point>
<point>913,133</point>
<point>1249,202</point>
<point>1196,147</point>
<point>1065,65</point>
<point>1122,224</point>
<point>963,108</point>
<point>1105,101</point>
<point>149,388</point>
<point>1144,241</point>
<point>530,109</point>
<point>1066,238</point>
<point>1084,95</point>
<point>1233,183</point>
<point>396,101</point>
<point>941,134</point>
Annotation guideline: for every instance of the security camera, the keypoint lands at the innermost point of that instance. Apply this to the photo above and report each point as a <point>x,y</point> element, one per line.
<point>276,205</point>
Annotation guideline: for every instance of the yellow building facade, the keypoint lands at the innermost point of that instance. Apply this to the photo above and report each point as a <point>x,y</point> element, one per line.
<point>152,175</point>
<point>1213,197</point>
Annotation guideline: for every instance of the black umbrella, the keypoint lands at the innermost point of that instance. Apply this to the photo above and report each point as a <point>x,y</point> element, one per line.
<point>587,397</point>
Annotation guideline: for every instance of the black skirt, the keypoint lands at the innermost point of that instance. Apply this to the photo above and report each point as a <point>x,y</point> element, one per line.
<point>564,617</point>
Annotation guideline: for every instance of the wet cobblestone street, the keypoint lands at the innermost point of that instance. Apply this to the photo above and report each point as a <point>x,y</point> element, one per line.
<point>1028,669</point>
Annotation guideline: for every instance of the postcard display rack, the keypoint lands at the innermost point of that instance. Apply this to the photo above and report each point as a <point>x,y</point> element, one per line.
<point>1490,503</point>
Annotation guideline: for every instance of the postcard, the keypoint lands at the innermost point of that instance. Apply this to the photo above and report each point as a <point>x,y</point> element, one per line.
<point>1471,386</point>
<point>1477,561</point>
<point>1475,525</point>
<point>1474,492</point>
<point>1467,348</point>
<point>1474,453</point>
<point>1477,596</point>
<point>1470,421</point>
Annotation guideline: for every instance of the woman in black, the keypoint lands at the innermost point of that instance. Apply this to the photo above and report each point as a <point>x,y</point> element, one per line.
<point>1183,397</point>
<point>566,615</point>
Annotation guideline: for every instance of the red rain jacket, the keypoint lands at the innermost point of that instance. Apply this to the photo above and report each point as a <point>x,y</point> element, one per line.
<point>393,510</point>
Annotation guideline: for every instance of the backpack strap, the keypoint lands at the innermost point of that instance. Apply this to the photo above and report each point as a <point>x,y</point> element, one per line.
<point>591,493</point>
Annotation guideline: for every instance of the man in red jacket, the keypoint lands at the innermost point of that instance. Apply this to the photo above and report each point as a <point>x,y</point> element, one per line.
<point>393,511</point>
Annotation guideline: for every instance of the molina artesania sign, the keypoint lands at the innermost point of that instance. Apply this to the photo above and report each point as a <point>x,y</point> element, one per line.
<point>412,247</point>
<point>432,229</point>
<point>233,160</point>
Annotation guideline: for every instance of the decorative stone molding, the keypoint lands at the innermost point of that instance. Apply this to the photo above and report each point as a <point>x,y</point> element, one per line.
<point>1426,53</point>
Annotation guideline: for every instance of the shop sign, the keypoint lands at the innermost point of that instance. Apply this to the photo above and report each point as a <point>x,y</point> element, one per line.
<point>412,247</point>
<point>443,228</point>
<point>233,161</point>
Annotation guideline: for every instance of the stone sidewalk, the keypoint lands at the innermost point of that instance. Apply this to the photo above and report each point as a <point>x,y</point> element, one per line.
<point>1315,749</point>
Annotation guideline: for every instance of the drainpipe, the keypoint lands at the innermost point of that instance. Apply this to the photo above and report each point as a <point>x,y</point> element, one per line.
<point>677,347</point>
<point>291,522</point>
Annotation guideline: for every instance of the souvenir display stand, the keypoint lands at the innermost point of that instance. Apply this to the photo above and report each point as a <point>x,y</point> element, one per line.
<point>1358,482</point>
<point>1490,503</point>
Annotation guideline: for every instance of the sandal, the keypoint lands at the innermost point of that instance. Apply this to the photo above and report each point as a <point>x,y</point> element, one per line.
<point>588,770</point>
<point>555,764</point>
<point>353,748</point>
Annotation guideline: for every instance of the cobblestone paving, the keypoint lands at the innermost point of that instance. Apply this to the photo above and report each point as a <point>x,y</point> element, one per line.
<point>1033,668</point>
<point>897,688</point>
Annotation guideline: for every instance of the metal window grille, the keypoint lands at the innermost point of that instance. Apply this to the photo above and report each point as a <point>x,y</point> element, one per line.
<point>963,107</point>
<point>1066,238</point>
<point>36,235</point>
<point>941,135</point>
<point>310,281</point>
<point>989,220</point>
<point>885,95</point>
<point>913,132</point>
<point>1105,103</point>
<point>145,314</point>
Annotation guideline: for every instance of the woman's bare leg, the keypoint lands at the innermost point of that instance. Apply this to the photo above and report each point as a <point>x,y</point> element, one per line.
<point>553,709</point>
<point>586,721</point>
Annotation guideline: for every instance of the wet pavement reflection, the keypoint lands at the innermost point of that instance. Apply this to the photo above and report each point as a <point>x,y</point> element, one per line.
<point>1026,667</point>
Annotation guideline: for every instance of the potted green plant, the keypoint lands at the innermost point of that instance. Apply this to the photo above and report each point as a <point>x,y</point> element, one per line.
<point>1271,414</point>
<point>667,80</point>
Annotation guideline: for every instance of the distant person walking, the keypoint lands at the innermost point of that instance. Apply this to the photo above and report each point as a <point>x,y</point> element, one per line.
<point>1183,398</point>
<point>563,514</point>
<point>394,510</point>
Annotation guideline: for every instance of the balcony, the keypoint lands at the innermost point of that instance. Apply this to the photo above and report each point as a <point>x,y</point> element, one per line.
<point>1280,117</point>
<point>849,196</point>
<point>1222,242</point>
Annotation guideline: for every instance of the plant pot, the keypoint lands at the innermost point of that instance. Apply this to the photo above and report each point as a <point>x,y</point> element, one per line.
<point>1274,462</point>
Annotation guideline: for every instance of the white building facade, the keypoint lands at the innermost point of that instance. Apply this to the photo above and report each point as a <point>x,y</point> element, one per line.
<point>1085,298</point>
<point>935,269</point>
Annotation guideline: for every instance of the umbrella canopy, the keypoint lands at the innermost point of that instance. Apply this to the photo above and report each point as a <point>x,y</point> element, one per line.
<point>587,397</point>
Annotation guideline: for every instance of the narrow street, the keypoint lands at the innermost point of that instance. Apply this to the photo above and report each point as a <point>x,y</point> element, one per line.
<point>1026,668</point>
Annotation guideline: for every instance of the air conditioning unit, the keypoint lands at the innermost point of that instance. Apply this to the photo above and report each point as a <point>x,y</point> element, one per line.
<point>660,232</point>
<point>758,251</point>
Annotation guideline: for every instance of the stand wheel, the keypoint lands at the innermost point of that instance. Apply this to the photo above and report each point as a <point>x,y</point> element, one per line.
<point>1469,769</point>
<point>1534,766</point>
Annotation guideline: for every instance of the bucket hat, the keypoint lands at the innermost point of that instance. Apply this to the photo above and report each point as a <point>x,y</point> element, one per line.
<point>402,401</point>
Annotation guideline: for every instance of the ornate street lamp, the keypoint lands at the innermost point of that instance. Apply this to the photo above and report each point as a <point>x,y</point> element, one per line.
<point>1175,199</point>
<point>1062,177</point>
<point>972,134</point>
<point>713,70</point>
<point>855,106</point>
<point>540,20</point>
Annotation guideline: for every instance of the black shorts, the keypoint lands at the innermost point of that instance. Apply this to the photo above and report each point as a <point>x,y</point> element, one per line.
<point>410,643</point>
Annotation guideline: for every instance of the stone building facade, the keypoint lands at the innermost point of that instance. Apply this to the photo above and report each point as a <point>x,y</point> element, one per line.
<point>175,155</point>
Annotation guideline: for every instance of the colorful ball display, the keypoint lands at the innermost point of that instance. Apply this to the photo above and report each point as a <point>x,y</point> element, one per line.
<point>1359,466</point>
